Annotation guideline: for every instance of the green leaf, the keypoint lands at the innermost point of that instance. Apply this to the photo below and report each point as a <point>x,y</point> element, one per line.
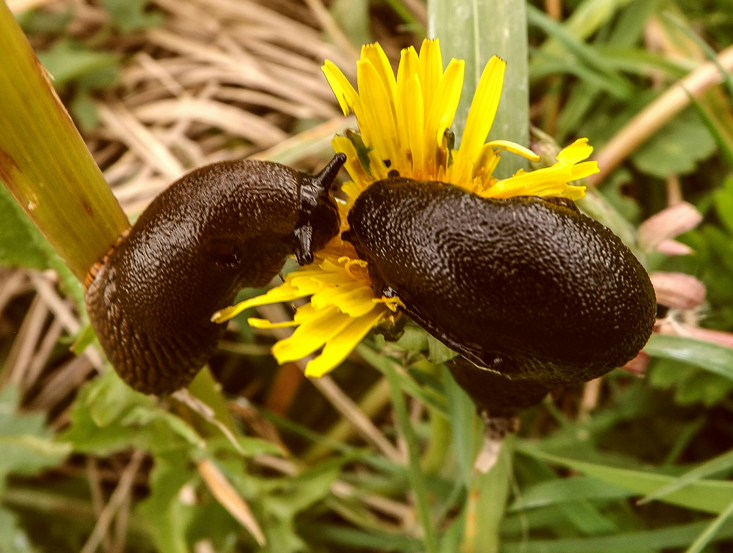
<point>692,384</point>
<point>706,355</point>
<point>710,496</point>
<point>69,60</point>
<point>719,464</point>
<point>129,15</point>
<point>167,517</point>
<point>19,238</point>
<point>551,492</point>
<point>26,443</point>
<point>487,494</point>
<point>12,538</point>
<point>109,416</point>
<point>723,199</point>
<point>628,542</point>
<point>407,383</point>
<point>715,129</point>
<point>592,61</point>
<point>676,148</point>
<point>707,536</point>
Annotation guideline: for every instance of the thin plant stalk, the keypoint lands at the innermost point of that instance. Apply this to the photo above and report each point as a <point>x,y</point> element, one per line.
<point>44,162</point>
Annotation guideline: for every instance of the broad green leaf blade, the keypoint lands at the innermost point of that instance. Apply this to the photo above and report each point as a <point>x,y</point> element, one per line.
<point>706,355</point>
<point>26,444</point>
<point>629,542</point>
<point>716,131</point>
<point>18,237</point>
<point>487,497</point>
<point>562,490</point>
<point>45,164</point>
<point>677,148</point>
<point>467,30</point>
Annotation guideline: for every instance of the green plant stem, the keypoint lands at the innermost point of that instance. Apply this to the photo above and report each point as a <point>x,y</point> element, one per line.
<point>475,30</point>
<point>434,458</point>
<point>44,162</point>
<point>417,478</point>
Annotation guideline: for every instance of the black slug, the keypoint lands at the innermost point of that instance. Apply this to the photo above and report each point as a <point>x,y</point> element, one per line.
<point>214,231</point>
<point>530,289</point>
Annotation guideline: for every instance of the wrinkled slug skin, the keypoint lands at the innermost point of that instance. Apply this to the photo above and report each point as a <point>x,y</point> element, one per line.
<point>525,287</point>
<point>214,231</point>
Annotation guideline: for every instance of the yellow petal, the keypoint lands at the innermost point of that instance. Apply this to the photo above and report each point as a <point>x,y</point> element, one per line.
<point>339,347</point>
<point>264,323</point>
<point>409,66</point>
<point>378,59</point>
<point>281,293</point>
<point>514,148</point>
<point>577,151</point>
<point>480,118</point>
<point>342,89</point>
<point>378,128</point>
<point>415,122</point>
<point>431,70</point>
<point>446,101</point>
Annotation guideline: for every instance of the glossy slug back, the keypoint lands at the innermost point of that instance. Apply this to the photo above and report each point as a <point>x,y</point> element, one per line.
<point>525,287</point>
<point>218,229</point>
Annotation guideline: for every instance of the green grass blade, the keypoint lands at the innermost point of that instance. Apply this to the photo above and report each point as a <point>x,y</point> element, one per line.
<point>629,542</point>
<point>469,30</point>
<point>578,488</point>
<point>711,54</point>
<point>44,162</point>
<point>710,496</point>
<point>585,53</point>
<point>416,475</point>
<point>707,536</point>
<point>724,144</point>
<point>718,464</point>
<point>706,355</point>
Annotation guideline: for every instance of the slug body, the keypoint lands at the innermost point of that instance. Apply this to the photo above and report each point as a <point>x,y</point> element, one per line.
<point>530,289</point>
<point>214,231</point>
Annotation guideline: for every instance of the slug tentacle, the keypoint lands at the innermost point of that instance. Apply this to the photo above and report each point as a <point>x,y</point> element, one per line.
<point>217,229</point>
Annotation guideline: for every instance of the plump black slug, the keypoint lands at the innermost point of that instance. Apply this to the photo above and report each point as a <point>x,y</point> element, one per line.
<point>532,290</point>
<point>218,229</point>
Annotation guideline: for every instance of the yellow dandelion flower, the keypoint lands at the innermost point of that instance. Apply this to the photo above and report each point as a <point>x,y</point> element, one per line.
<point>403,126</point>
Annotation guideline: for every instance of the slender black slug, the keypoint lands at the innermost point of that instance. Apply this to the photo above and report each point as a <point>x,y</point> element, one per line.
<point>530,289</point>
<point>217,229</point>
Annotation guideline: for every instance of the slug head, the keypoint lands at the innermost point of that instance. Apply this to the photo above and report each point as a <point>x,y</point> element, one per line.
<point>319,217</point>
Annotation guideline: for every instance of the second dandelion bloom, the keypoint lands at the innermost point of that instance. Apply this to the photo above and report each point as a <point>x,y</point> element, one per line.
<point>404,123</point>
